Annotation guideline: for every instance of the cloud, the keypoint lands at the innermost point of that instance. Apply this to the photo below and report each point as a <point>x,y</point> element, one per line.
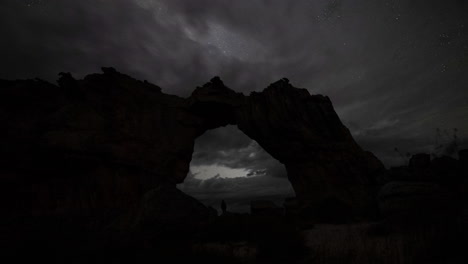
<point>82,36</point>
<point>231,148</point>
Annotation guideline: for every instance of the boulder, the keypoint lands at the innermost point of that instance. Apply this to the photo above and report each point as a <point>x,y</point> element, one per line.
<point>168,207</point>
<point>447,170</point>
<point>463,156</point>
<point>420,167</point>
<point>414,202</point>
<point>265,208</point>
<point>420,161</point>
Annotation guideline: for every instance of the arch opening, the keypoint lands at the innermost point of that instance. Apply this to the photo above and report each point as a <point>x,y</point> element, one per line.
<point>228,165</point>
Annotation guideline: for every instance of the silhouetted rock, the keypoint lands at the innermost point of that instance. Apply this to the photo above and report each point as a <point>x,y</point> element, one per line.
<point>426,190</point>
<point>443,170</point>
<point>166,206</point>
<point>463,163</point>
<point>463,156</point>
<point>401,173</point>
<point>420,161</point>
<point>305,134</point>
<point>446,170</point>
<point>265,208</point>
<point>420,168</point>
<point>109,70</point>
<point>111,143</point>
<point>416,202</point>
<point>291,206</point>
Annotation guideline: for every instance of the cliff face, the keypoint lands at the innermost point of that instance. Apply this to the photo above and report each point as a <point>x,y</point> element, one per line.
<point>110,143</point>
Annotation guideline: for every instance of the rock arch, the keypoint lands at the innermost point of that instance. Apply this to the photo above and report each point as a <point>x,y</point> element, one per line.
<point>303,132</point>
<point>111,142</point>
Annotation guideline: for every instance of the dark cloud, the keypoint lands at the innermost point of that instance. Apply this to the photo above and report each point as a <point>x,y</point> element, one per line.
<point>45,38</point>
<point>229,147</point>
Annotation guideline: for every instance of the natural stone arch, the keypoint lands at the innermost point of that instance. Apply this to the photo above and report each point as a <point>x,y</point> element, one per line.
<point>303,132</point>
<point>118,142</point>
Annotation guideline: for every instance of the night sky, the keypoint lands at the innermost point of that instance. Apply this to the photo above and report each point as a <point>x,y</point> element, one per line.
<point>396,71</point>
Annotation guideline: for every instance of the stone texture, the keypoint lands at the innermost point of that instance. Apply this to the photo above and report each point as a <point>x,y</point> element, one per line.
<point>104,143</point>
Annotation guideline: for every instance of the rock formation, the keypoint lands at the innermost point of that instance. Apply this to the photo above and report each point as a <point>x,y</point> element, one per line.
<point>112,148</point>
<point>426,191</point>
